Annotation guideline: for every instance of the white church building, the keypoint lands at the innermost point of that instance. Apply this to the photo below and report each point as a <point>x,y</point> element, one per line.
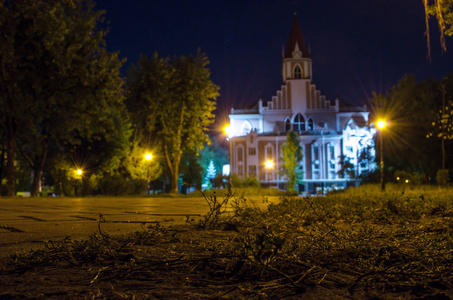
<point>330,131</point>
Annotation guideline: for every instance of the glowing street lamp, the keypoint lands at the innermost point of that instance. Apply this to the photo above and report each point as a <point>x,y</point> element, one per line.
<point>269,166</point>
<point>148,157</point>
<point>381,124</point>
<point>227,130</point>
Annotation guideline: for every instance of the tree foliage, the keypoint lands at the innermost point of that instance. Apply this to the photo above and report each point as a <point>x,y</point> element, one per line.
<point>59,85</point>
<point>171,101</point>
<point>292,156</point>
<point>442,126</point>
<point>442,10</point>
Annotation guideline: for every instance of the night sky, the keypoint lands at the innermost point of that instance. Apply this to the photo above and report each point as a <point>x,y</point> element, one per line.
<point>357,46</point>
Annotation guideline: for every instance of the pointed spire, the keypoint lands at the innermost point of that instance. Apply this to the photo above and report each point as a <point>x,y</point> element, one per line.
<point>296,40</point>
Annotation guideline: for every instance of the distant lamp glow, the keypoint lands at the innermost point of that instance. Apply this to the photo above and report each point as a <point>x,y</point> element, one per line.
<point>227,130</point>
<point>381,124</point>
<point>148,157</point>
<point>79,172</point>
<point>269,164</point>
<point>407,180</point>
<point>397,178</point>
<point>226,170</point>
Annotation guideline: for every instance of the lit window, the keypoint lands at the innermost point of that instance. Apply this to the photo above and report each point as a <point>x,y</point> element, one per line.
<point>252,171</point>
<point>297,73</point>
<point>316,165</point>
<point>269,152</point>
<point>331,162</point>
<point>315,156</point>
<point>299,123</point>
<point>240,154</point>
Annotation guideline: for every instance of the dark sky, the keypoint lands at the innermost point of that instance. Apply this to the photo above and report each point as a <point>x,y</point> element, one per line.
<point>357,46</point>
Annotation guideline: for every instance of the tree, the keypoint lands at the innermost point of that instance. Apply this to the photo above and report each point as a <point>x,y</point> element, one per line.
<point>215,152</point>
<point>442,10</point>
<point>210,172</point>
<point>292,156</point>
<point>347,169</point>
<point>136,165</point>
<point>442,127</point>
<point>54,66</point>
<point>191,170</point>
<point>172,101</point>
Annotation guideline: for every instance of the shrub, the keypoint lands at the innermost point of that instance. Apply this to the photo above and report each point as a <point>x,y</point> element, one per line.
<point>442,177</point>
<point>235,181</point>
<point>251,182</point>
<point>116,185</point>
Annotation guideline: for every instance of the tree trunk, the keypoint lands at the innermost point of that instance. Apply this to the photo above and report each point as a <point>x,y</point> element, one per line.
<point>174,172</point>
<point>2,159</point>
<point>38,169</point>
<point>173,167</point>
<point>10,151</point>
<point>35,184</point>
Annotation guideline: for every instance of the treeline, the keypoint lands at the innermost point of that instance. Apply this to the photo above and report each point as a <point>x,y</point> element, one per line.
<point>418,138</point>
<point>64,106</point>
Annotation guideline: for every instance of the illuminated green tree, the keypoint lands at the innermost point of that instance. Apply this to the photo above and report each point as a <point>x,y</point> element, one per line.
<point>172,103</point>
<point>292,156</point>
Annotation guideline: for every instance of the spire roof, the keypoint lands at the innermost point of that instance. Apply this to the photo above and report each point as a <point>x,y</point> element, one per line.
<point>296,38</point>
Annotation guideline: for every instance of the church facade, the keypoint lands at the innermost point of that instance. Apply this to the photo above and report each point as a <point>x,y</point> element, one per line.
<point>336,139</point>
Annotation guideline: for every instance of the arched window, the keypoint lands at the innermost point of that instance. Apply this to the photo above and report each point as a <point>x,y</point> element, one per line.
<point>310,124</point>
<point>287,125</point>
<point>299,123</point>
<point>246,127</point>
<point>297,73</point>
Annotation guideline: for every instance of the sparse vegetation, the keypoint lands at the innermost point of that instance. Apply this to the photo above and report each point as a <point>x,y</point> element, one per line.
<point>357,244</point>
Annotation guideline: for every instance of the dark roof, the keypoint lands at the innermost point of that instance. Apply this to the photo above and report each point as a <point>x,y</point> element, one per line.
<point>296,36</point>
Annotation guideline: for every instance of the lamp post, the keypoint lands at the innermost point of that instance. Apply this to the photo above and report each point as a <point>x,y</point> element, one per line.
<point>381,124</point>
<point>269,165</point>
<point>79,173</point>
<point>227,130</point>
<point>148,157</point>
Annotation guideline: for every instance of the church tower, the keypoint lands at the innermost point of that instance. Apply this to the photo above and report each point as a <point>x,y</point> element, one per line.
<point>296,60</point>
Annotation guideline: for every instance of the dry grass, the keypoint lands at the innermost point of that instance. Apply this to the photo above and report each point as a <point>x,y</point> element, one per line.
<point>356,244</point>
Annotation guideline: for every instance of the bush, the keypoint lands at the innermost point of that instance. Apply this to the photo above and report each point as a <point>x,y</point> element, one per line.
<point>117,184</point>
<point>442,177</point>
<point>251,182</point>
<point>235,181</point>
